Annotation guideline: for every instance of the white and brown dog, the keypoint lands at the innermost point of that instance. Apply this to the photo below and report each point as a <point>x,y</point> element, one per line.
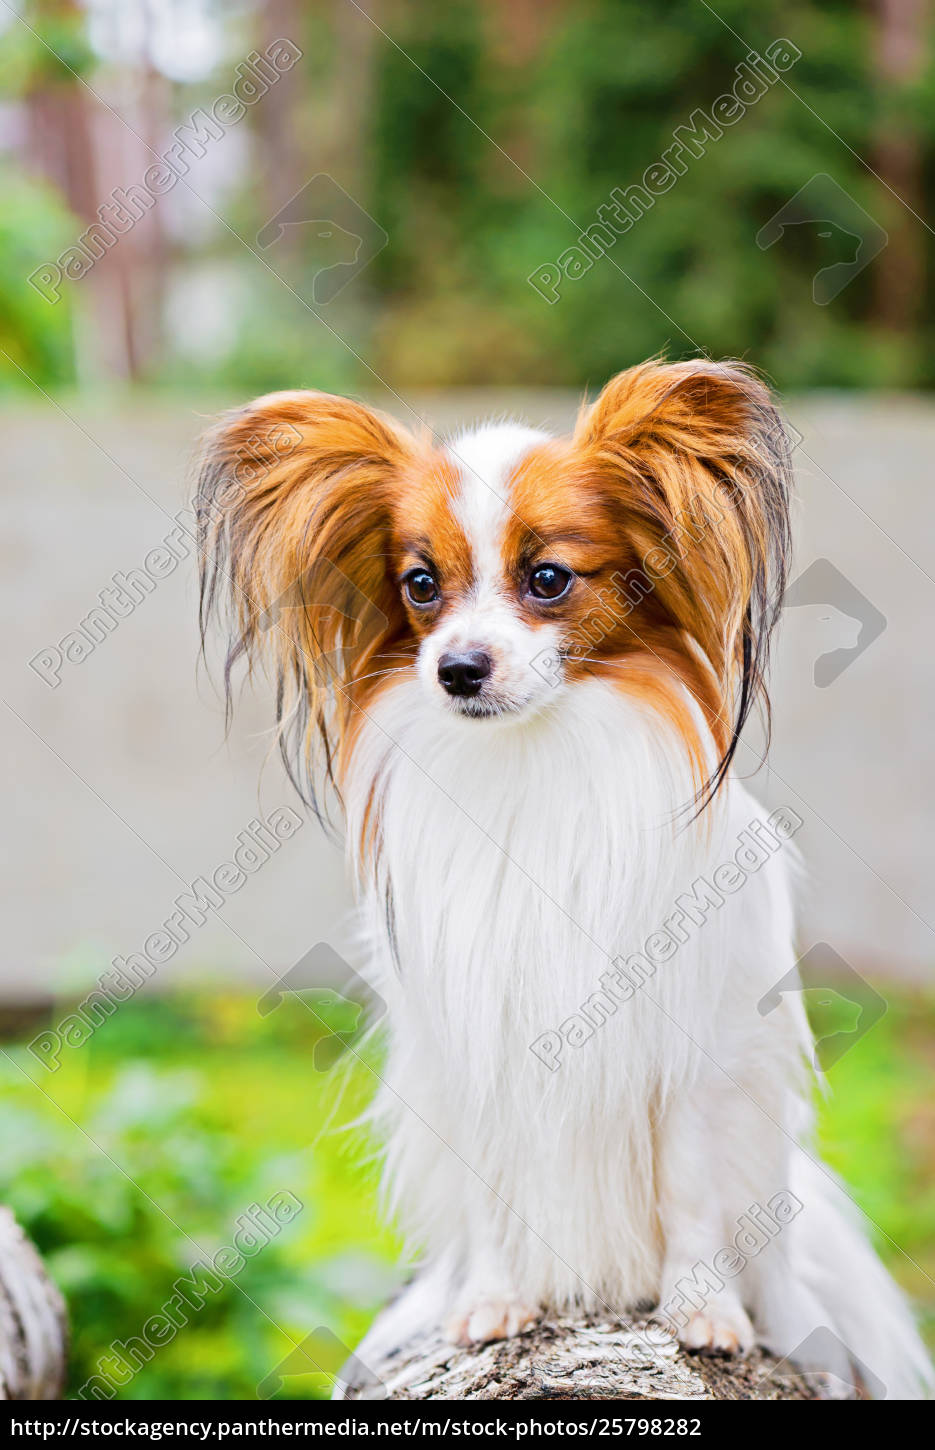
<point>522,663</point>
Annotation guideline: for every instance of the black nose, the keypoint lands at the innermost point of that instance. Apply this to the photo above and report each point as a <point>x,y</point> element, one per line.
<point>463,674</point>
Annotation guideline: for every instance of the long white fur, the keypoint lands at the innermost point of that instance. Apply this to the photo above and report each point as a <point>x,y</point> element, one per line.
<point>517,858</point>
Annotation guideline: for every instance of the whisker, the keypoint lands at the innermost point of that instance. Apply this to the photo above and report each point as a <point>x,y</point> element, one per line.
<point>378,674</point>
<point>598,660</point>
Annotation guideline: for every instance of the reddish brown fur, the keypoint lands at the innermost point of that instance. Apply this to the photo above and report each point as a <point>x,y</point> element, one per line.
<point>680,463</point>
<point>643,651</point>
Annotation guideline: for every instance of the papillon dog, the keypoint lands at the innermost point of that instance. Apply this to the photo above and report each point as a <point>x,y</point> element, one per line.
<point>519,666</point>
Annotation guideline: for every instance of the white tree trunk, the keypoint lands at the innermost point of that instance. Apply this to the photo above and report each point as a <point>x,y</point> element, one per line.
<point>33,1325</point>
<point>575,1359</point>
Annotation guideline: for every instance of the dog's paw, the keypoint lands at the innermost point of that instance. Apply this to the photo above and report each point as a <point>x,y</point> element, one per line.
<point>490,1318</point>
<point>721,1328</point>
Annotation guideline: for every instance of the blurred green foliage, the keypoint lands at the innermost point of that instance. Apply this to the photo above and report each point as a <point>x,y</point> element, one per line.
<point>594,104</point>
<point>35,339</point>
<point>141,1152</point>
<point>137,1158</point>
<point>483,141</point>
<point>877,1129</point>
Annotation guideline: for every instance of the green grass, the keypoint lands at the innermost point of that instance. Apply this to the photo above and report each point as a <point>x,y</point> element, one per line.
<point>877,1129</point>
<point>140,1153</point>
<point>138,1156</point>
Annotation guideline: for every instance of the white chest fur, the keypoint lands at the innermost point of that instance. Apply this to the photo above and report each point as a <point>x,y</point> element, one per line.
<point>518,864</point>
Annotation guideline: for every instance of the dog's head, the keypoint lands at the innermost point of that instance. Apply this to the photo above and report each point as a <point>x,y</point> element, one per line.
<point>647,549</point>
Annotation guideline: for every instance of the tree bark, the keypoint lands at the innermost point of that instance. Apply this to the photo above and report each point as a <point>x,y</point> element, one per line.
<point>33,1325</point>
<point>576,1359</point>
<point>900,35</point>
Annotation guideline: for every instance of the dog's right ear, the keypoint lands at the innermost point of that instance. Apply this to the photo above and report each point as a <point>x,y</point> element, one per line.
<point>293,507</point>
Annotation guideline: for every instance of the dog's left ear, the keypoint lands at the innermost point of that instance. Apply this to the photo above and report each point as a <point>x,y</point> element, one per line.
<point>699,458</point>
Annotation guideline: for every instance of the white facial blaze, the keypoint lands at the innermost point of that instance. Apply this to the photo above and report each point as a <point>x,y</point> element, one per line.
<point>490,619</point>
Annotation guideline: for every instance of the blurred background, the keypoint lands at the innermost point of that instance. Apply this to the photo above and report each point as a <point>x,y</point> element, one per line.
<point>445,211</point>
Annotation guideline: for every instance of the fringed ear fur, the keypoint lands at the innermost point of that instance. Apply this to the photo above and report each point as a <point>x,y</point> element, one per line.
<point>292,502</point>
<point>700,457</point>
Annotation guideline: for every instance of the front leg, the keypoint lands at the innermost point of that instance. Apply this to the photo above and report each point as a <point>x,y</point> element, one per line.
<point>487,1306</point>
<point>703,1309</point>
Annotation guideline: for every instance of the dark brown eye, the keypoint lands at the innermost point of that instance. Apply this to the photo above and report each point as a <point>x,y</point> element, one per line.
<point>549,581</point>
<point>421,587</point>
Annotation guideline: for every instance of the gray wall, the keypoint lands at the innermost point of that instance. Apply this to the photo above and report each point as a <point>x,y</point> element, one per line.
<point>120,787</point>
